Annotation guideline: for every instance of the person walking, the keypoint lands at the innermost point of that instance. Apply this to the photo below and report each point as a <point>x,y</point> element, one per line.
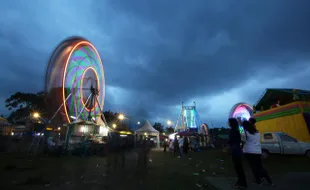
<point>185,145</point>
<point>165,145</point>
<point>234,142</point>
<point>252,150</point>
<point>181,142</point>
<point>176,150</point>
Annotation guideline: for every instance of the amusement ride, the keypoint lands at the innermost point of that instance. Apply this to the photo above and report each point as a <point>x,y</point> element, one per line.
<point>74,85</point>
<point>241,111</point>
<point>189,121</point>
<point>74,82</point>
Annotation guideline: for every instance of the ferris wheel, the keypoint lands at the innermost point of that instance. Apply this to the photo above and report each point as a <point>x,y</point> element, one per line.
<point>241,110</point>
<point>74,81</point>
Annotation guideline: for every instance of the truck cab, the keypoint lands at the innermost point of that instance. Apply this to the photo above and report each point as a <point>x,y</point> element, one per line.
<point>282,143</point>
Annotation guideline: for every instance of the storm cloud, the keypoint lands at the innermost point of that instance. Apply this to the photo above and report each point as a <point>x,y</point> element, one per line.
<point>159,53</point>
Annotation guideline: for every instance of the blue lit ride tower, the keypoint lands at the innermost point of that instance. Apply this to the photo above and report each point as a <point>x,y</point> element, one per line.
<point>188,119</point>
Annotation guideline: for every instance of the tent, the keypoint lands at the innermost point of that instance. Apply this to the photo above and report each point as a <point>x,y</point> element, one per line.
<point>147,129</point>
<point>186,133</point>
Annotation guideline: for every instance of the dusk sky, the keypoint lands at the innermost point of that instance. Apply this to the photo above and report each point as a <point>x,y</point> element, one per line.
<point>158,53</point>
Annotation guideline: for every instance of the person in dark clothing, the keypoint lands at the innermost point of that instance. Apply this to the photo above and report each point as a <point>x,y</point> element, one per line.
<point>253,153</point>
<point>252,120</point>
<point>185,145</point>
<point>143,154</point>
<point>165,145</point>
<point>234,142</point>
<point>176,150</point>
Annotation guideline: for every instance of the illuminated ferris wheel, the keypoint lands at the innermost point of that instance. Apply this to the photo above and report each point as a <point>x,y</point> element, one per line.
<point>74,81</point>
<point>241,110</point>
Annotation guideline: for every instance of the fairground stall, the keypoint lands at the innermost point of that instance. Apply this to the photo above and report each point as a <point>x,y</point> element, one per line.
<point>76,133</point>
<point>284,110</point>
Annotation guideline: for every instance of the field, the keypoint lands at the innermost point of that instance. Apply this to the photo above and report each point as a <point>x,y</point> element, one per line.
<point>164,171</point>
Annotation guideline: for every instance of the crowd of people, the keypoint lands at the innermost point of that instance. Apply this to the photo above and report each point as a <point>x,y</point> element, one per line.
<point>181,145</point>
<point>246,145</point>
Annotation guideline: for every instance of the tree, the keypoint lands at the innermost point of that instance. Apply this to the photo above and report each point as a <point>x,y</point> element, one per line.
<point>23,104</point>
<point>112,118</point>
<point>159,127</point>
<point>169,130</point>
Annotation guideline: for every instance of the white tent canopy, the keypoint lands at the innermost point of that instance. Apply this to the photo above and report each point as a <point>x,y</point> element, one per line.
<point>147,129</point>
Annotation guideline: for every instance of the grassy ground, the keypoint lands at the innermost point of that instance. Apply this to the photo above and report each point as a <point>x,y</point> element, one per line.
<point>164,171</point>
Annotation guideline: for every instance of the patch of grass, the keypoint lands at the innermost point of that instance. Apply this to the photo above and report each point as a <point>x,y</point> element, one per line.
<point>164,170</point>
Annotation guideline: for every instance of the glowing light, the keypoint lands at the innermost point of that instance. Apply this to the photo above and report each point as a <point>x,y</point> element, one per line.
<point>169,122</point>
<point>125,132</point>
<point>81,91</point>
<point>58,128</point>
<point>84,129</point>
<point>172,136</point>
<point>242,112</point>
<point>64,75</point>
<point>145,134</point>
<point>103,131</point>
<point>121,117</point>
<point>138,122</point>
<point>114,125</point>
<point>36,115</point>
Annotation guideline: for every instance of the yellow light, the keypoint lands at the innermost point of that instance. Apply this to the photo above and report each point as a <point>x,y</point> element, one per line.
<point>164,133</point>
<point>114,125</point>
<point>36,115</point>
<point>121,117</point>
<point>125,132</point>
<point>145,134</point>
<point>58,128</point>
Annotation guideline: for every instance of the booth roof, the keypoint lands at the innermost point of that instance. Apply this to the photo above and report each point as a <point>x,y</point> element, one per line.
<point>284,95</point>
<point>80,122</point>
<point>147,128</point>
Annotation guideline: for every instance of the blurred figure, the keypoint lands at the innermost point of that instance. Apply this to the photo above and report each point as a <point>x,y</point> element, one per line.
<point>181,141</point>
<point>236,152</point>
<point>165,145</point>
<point>185,145</point>
<point>171,145</point>
<point>252,120</point>
<point>143,154</point>
<point>252,150</point>
<point>176,150</point>
<point>113,152</point>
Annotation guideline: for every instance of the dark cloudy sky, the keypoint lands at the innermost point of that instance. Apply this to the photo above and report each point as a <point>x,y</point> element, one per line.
<point>158,53</point>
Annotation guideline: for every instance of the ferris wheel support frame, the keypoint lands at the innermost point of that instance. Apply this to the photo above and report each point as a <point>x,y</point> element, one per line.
<point>78,116</point>
<point>49,121</point>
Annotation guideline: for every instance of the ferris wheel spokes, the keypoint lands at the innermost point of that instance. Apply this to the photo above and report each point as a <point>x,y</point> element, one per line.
<point>78,116</point>
<point>101,111</point>
<point>59,108</point>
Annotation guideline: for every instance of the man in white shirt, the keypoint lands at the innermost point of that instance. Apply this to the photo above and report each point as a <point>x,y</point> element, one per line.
<point>181,141</point>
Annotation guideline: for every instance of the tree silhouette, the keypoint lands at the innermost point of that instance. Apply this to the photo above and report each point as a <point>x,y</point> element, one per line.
<point>112,118</point>
<point>159,127</point>
<point>169,130</point>
<point>23,104</point>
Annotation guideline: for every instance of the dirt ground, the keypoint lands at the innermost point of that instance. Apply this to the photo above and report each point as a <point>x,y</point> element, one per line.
<point>164,171</point>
